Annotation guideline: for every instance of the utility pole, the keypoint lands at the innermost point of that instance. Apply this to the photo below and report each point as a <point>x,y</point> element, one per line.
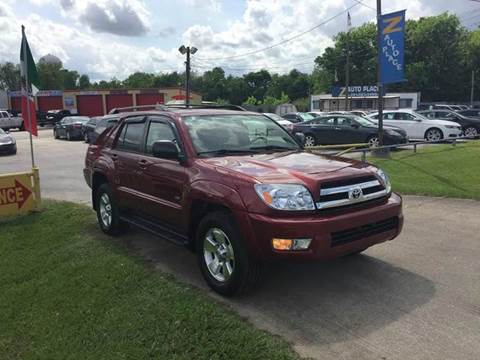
<point>472,89</point>
<point>347,65</point>
<point>187,50</point>
<point>187,76</point>
<point>379,84</point>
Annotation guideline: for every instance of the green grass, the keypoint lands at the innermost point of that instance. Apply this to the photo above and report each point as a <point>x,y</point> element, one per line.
<point>68,292</point>
<point>442,170</point>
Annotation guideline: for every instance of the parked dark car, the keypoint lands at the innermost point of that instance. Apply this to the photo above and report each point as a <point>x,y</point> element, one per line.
<point>70,127</point>
<point>93,128</point>
<point>238,189</point>
<point>54,116</point>
<point>298,117</point>
<point>8,145</point>
<point>470,125</point>
<point>347,129</point>
<point>470,113</point>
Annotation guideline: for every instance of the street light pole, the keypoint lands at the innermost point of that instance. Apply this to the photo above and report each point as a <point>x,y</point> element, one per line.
<point>187,50</point>
<point>379,84</point>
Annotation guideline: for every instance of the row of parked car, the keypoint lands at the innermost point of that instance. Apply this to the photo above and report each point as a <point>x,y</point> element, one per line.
<point>83,127</point>
<point>400,126</point>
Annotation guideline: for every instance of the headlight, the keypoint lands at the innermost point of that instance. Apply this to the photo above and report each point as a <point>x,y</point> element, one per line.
<point>285,196</point>
<point>451,127</point>
<point>391,132</point>
<point>385,180</point>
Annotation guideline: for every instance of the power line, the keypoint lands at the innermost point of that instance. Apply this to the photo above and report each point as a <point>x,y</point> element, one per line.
<point>286,40</point>
<point>366,5</point>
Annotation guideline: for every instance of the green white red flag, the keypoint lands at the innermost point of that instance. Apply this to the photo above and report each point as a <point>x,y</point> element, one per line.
<point>30,83</point>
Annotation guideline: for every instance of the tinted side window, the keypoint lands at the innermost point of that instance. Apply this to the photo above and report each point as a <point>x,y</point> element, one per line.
<point>101,125</point>
<point>131,137</point>
<point>158,131</point>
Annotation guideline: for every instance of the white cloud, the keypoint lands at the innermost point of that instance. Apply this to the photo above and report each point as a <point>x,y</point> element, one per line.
<point>262,24</point>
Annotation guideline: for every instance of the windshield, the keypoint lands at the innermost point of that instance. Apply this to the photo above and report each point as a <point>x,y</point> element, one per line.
<point>81,119</point>
<point>2,132</point>
<point>363,121</point>
<point>306,116</point>
<point>229,134</point>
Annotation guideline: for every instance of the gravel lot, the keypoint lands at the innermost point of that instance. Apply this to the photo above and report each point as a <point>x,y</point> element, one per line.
<point>417,297</point>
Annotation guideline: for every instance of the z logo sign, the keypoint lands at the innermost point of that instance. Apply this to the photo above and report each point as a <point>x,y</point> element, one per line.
<point>392,23</point>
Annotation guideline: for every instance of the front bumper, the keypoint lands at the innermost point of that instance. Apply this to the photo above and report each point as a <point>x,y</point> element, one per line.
<point>332,235</point>
<point>453,133</point>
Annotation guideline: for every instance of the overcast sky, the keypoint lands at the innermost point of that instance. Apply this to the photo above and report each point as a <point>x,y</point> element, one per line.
<point>113,38</point>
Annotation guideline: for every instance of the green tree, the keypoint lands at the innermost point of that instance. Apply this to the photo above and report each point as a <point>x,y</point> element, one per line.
<point>251,100</point>
<point>140,80</point>
<point>9,76</point>
<point>257,83</point>
<point>213,84</point>
<point>51,76</point>
<point>84,82</point>
<point>70,79</point>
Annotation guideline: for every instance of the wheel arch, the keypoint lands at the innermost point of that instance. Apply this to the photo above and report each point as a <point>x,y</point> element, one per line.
<point>98,178</point>
<point>434,128</point>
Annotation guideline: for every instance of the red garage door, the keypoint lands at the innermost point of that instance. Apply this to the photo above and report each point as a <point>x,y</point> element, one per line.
<point>119,100</point>
<point>16,103</point>
<point>150,99</point>
<point>90,105</point>
<point>46,103</point>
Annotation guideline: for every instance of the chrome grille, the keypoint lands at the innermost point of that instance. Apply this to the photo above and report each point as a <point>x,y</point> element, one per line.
<point>355,192</point>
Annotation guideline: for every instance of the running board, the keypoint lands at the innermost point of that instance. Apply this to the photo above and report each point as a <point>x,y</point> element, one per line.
<point>156,229</point>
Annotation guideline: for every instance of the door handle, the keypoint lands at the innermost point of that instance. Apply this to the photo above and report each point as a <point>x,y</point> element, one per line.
<point>143,163</point>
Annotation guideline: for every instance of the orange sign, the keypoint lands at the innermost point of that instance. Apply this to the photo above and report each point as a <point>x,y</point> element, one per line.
<point>19,193</point>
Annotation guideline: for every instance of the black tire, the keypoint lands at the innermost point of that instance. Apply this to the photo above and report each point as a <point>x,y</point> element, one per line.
<point>246,270</point>
<point>116,226</point>
<point>68,136</point>
<point>55,134</point>
<point>86,137</point>
<point>22,126</point>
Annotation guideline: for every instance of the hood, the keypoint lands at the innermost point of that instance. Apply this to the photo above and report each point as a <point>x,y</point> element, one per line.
<point>442,122</point>
<point>290,167</point>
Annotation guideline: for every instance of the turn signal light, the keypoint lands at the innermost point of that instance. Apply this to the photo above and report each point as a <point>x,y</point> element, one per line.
<point>291,244</point>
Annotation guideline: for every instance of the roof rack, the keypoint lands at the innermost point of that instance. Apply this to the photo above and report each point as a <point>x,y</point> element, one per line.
<point>138,107</point>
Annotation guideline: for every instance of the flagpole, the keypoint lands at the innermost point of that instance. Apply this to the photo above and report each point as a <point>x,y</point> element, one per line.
<point>25,60</point>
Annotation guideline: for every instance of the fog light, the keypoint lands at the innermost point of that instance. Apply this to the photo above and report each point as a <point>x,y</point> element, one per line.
<point>282,244</point>
<point>291,244</point>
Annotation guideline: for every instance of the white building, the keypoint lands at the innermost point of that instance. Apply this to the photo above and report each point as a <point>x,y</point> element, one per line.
<point>364,101</point>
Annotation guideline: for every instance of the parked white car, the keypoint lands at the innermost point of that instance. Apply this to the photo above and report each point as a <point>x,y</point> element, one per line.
<point>419,127</point>
<point>7,121</point>
<point>287,124</point>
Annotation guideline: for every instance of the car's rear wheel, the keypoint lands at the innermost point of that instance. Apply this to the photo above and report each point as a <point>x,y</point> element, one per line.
<point>107,211</point>
<point>85,137</point>
<point>69,136</point>
<point>55,134</point>
<point>471,132</point>
<point>433,134</point>
<point>223,257</point>
<point>310,140</point>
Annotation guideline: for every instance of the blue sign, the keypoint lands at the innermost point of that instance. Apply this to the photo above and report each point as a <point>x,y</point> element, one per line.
<point>391,52</point>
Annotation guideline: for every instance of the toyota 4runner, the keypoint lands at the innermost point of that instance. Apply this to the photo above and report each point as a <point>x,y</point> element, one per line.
<point>237,189</point>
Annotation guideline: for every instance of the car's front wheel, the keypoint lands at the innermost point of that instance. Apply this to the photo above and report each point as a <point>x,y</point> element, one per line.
<point>310,140</point>
<point>471,132</point>
<point>433,134</point>
<point>373,141</point>
<point>223,257</point>
<point>107,211</point>
<point>55,134</point>
<point>69,136</point>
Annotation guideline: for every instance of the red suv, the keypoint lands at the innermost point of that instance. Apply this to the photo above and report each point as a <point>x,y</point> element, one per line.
<point>238,189</point>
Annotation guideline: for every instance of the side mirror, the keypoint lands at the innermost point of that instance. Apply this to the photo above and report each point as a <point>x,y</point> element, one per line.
<point>300,137</point>
<point>165,149</point>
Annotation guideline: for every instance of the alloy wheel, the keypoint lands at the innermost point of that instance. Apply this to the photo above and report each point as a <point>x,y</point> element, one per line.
<point>309,140</point>
<point>105,210</point>
<point>218,254</point>
<point>373,142</point>
<point>471,132</point>
<point>434,135</point>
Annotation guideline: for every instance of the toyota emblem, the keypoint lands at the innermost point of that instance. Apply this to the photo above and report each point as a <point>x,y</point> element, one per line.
<point>355,193</point>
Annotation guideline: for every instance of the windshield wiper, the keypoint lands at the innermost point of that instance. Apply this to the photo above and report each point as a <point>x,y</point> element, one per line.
<point>273,147</point>
<point>227,151</point>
